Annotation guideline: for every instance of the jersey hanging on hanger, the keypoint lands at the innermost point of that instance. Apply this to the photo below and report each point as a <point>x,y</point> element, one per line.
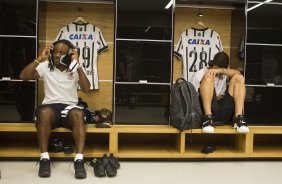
<point>196,47</point>
<point>90,42</point>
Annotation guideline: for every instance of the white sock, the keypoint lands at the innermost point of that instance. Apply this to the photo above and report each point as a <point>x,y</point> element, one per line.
<point>44,155</point>
<point>78,156</point>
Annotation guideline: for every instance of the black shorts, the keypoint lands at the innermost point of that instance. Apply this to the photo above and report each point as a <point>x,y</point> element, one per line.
<point>223,110</point>
<point>61,112</point>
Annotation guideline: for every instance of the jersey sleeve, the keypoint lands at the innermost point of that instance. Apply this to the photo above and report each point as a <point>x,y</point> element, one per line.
<point>197,78</point>
<point>102,43</point>
<point>217,44</point>
<point>40,68</point>
<point>178,50</point>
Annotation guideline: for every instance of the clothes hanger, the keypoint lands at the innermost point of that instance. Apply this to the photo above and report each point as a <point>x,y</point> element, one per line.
<point>80,20</point>
<point>200,24</point>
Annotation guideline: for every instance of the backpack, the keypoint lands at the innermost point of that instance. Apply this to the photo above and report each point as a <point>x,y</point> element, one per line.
<point>185,111</point>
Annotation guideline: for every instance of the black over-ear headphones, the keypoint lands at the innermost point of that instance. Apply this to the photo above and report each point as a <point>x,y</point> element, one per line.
<point>66,59</point>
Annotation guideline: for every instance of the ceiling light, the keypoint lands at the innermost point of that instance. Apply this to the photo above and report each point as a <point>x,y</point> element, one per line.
<point>253,7</point>
<point>169,4</point>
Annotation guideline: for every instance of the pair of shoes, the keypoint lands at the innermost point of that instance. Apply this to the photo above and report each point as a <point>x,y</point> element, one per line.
<point>79,169</point>
<point>110,164</point>
<point>105,166</point>
<point>208,125</point>
<point>44,168</point>
<point>240,124</point>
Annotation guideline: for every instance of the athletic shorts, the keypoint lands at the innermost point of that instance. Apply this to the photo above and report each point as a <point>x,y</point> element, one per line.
<point>61,112</point>
<point>223,110</point>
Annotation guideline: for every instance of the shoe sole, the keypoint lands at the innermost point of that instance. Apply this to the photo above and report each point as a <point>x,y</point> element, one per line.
<point>44,175</point>
<point>208,130</point>
<point>110,176</point>
<point>80,176</point>
<point>100,175</point>
<point>236,127</point>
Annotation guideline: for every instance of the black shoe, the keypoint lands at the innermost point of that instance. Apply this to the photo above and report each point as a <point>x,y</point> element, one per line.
<point>44,168</point>
<point>104,160</point>
<point>79,169</point>
<point>99,169</point>
<point>114,161</point>
<point>208,125</point>
<point>110,169</point>
<point>240,124</point>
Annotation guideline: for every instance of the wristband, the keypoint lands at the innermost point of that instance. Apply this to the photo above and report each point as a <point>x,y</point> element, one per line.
<point>36,61</point>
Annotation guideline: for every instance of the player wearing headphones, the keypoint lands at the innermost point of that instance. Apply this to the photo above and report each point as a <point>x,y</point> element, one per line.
<point>222,92</point>
<point>60,70</point>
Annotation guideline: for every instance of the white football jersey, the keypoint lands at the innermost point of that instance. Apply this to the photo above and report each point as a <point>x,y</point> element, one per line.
<point>196,48</point>
<point>90,42</point>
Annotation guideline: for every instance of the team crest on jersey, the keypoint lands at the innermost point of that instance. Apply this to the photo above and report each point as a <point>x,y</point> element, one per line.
<point>70,75</point>
<point>81,37</point>
<point>199,42</point>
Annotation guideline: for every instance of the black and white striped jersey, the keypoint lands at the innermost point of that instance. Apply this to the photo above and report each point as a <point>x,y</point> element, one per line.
<point>196,48</point>
<point>90,42</point>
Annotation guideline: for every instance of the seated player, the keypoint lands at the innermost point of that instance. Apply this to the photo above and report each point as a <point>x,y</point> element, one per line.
<point>60,70</point>
<point>222,92</point>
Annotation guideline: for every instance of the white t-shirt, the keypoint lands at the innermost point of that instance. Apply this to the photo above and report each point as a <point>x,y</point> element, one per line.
<point>196,48</point>
<point>59,86</point>
<point>219,83</point>
<point>90,42</point>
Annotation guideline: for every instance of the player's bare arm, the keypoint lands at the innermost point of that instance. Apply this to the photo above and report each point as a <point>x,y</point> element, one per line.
<point>221,71</point>
<point>83,80</point>
<point>230,72</point>
<point>29,72</point>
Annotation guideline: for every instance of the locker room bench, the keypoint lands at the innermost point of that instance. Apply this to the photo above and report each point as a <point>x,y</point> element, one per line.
<point>18,140</point>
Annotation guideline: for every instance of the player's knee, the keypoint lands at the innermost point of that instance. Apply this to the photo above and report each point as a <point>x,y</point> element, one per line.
<point>76,114</point>
<point>45,112</point>
<point>239,78</point>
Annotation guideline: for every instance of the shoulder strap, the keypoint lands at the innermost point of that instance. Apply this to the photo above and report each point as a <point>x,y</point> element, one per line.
<point>186,97</point>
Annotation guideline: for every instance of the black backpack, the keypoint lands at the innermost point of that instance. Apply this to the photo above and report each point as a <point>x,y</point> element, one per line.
<point>185,111</point>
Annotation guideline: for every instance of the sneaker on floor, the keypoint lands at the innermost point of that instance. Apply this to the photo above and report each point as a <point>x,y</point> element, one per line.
<point>207,125</point>
<point>104,160</point>
<point>240,124</point>
<point>44,168</point>
<point>110,169</point>
<point>79,169</point>
<point>114,161</point>
<point>99,169</point>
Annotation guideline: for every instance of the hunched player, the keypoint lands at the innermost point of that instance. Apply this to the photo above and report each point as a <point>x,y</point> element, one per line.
<point>196,47</point>
<point>90,42</point>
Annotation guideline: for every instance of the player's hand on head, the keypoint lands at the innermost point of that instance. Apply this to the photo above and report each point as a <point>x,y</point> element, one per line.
<point>75,62</point>
<point>44,54</point>
<point>74,55</point>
